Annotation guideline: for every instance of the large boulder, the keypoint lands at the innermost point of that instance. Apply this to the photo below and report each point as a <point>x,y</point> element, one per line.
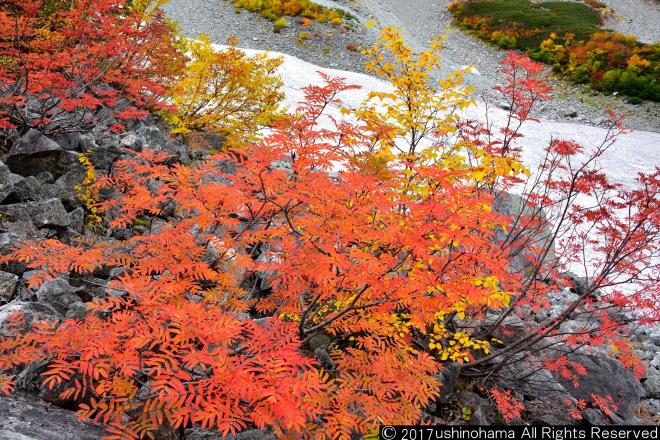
<point>34,153</point>
<point>60,295</point>
<point>64,188</point>
<point>11,234</point>
<point>604,377</point>
<point>481,410</point>
<point>652,383</point>
<point>31,311</point>
<point>43,213</point>
<point>103,149</point>
<point>534,381</point>
<point>449,379</point>
<point>27,189</point>
<point>8,282</point>
<point>152,137</point>
<point>248,434</point>
<point>24,417</point>
<point>7,181</point>
<point>514,207</point>
<point>594,417</point>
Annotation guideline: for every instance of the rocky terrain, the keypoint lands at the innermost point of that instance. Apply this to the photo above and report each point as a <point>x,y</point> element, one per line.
<point>420,20</point>
<point>638,18</point>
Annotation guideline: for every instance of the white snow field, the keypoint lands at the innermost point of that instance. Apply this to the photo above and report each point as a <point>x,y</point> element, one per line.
<point>634,152</point>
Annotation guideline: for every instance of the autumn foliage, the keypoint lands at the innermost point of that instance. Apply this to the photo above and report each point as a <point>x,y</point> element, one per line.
<point>568,37</point>
<point>315,281</point>
<point>61,62</point>
<point>274,10</point>
<point>225,92</point>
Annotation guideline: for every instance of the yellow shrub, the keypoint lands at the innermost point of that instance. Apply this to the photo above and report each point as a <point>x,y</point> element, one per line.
<point>279,24</point>
<point>638,62</point>
<point>87,192</point>
<point>275,9</point>
<point>226,93</point>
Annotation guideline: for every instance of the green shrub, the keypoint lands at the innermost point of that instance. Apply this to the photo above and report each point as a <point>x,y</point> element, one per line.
<point>610,81</point>
<point>507,42</point>
<point>279,24</point>
<point>581,75</point>
<point>534,22</point>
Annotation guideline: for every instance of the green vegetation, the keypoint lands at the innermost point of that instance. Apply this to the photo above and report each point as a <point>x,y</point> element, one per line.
<point>529,23</point>
<point>568,37</point>
<point>279,24</point>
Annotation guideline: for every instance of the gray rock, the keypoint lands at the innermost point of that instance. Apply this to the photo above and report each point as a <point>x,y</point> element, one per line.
<point>77,310</point>
<point>132,141</point>
<point>44,213</point>
<point>24,417</point>
<point>513,206</point>
<point>548,412</point>
<point>64,188</point>
<point>652,383</point>
<point>594,417</point>
<point>580,284</point>
<point>547,419</point>
<point>25,190</point>
<point>45,177</point>
<point>152,137</point>
<point>605,377</point>
<point>34,153</point>
<point>263,322</point>
<point>15,233</point>
<point>32,312</point>
<point>68,141</point>
<point>105,154</point>
<point>86,141</point>
<point>77,219</point>
<point>23,292</point>
<point>482,410</point>
<point>248,434</point>
<point>654,335</point>
<point>535,382</point>
<point>33,142</point>
<point>31,380</point>
<point>449,378</point>
<point>105,118</point>
<point>7,181</point>
<point>652,407</point>
<point>59,294</point>
<point>109,289</point>
<point>8,282</point>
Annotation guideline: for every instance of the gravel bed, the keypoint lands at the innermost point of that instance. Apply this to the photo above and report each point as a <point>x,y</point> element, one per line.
<point>218,19</point>
<point>635,17</point>
<point>420,20</point>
